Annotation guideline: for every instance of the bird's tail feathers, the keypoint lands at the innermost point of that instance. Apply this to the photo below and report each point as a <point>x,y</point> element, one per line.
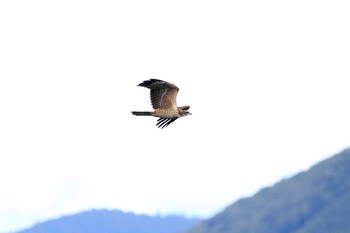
<point>141,113</point>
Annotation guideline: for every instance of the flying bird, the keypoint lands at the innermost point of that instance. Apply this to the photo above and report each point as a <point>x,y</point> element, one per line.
<point>163,99</point>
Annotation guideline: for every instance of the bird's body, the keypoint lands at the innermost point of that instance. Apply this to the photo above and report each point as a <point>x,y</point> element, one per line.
<point>163,99</point>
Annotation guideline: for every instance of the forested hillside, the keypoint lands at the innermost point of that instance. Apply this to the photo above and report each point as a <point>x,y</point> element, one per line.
<point>314,201</point>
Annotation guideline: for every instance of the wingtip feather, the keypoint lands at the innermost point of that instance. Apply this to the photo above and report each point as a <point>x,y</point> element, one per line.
<point>146,83</point>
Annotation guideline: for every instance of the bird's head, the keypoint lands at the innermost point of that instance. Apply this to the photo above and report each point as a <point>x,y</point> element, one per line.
<point>184,113</point>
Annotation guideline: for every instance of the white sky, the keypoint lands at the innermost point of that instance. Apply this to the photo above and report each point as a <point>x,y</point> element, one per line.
<point>268,83</point>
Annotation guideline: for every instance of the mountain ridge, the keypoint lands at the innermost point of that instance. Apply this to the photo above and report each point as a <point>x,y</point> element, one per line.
<point>108,221</point>
<point>295,205</point>
<point>316,200</point>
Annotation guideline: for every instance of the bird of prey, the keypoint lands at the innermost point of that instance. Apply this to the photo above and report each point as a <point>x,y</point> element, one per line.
<point>163,99</point>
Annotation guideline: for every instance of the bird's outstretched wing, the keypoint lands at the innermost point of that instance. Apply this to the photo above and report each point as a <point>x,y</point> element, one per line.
<point>163,94</point>
<point>164,122</point>
<point>184,107</point>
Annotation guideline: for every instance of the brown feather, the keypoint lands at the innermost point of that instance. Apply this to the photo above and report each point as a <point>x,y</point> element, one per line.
<point>163,94</point>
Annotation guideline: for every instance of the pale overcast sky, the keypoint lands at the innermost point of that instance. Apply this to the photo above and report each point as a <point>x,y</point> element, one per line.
<point>268,83</point>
